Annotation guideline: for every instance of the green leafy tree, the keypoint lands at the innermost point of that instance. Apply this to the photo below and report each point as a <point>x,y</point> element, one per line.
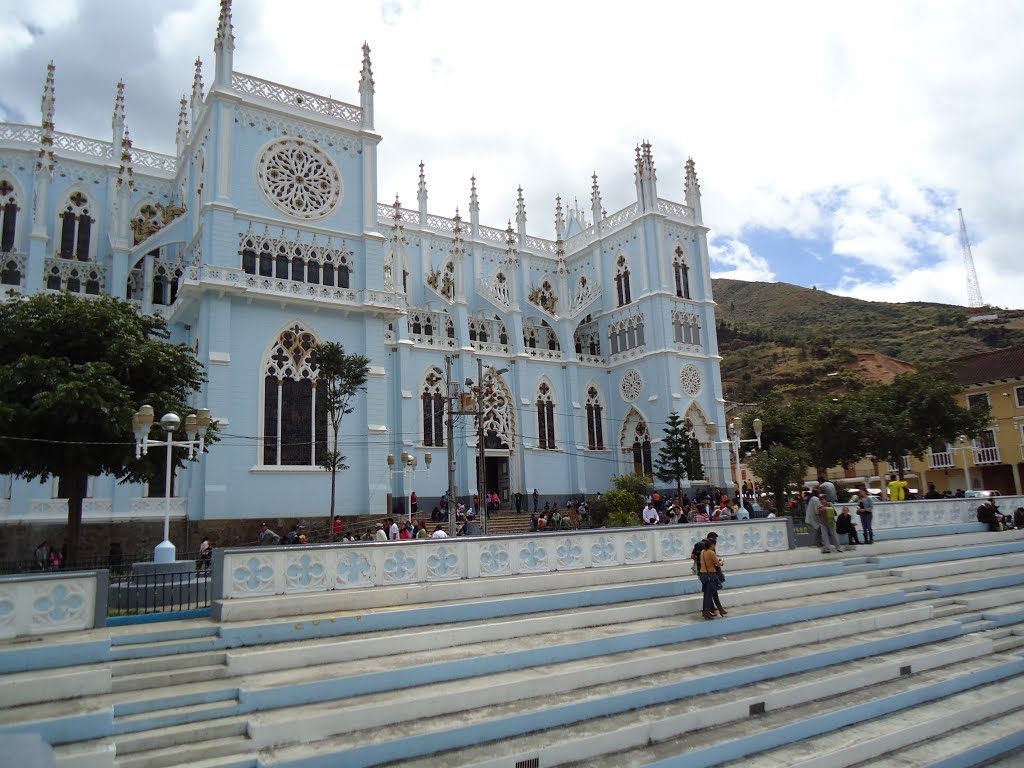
<point>342,377</point>
<point>622,511</point>
<point>913,412</point>
<point>834,432</point>
<point>778,467</point>
<point>73,371</point>
<point>679,455</point>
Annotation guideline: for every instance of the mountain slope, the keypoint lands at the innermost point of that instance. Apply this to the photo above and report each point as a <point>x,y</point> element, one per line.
<point>786,338</point>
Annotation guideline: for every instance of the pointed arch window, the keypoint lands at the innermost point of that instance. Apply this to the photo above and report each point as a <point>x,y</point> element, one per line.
<point>622,291</point>
<point>681,270</point>
<point>294,418</point>
<point>545,417</point>
<point>642,463</point>
<point>76,228</point>
<point>9,215</point>
<point>432,399</point>
<point>595,432</point>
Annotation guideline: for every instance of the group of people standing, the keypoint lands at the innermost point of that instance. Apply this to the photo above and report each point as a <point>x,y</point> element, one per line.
<point>826,523</point>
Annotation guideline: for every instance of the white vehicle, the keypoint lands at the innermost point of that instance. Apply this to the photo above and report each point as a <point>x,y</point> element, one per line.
<point>980,494</point>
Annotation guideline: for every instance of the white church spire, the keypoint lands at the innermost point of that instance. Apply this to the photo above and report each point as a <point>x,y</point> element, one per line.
<point>366,89</point>
<point>224,46</point>
<point>595,202</point>
<point>46,161</point>
<point>474,208</point>
<point>181,138</point>
<point>521,215</point>
<point>197,92</point>
<point>692,190</point>
<point>421,194</point>
<point>117,121</point>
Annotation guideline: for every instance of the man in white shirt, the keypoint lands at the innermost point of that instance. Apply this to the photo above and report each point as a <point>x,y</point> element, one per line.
<point>381,534</point>
<point>393,532</point>
<point>650,515</point>
<point>439,533</point>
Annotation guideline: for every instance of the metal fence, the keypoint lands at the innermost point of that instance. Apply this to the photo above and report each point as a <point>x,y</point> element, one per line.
<point>135,594</point>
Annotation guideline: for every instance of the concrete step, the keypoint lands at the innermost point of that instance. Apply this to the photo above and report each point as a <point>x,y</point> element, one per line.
<point>190,733</point>
<point>629,673</point>
<point>189,630</point>
<point>144,650</point>
<point>851,738</point>
<point>172,716</point>
<point>995,742</point>
<point>166,678</point>
<point>222,750</point>
<point>170,661</point>
<point>837,730</point>
<point>569,726</point>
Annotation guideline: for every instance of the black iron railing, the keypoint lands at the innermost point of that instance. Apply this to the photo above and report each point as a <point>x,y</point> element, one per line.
<point>134,593</point>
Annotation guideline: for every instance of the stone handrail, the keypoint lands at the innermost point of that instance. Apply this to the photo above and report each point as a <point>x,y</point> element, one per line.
<point>46,603</point>
<point>925,512</point>
<point>260,571</point>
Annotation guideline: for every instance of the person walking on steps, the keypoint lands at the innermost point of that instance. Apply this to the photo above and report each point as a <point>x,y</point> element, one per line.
<point>711,577</point>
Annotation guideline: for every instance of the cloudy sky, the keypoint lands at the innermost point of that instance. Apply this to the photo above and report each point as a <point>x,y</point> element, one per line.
<point>834,140</point>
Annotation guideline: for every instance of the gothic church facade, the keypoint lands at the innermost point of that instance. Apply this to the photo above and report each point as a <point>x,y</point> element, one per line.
<point>263,235</point>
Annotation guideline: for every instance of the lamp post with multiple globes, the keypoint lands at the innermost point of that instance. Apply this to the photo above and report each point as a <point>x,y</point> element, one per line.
<point>196,425</point>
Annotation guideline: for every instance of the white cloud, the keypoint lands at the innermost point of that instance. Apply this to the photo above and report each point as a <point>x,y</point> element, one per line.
<point>742,263</point>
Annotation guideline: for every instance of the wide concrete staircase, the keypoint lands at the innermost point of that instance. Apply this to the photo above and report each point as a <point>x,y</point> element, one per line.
<point>907,653</point>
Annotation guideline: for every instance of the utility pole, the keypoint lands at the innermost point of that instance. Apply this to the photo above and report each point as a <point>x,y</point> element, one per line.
<point>452,396</point>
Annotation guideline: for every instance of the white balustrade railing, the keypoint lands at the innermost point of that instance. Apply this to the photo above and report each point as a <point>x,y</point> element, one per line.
<point>540,244</point>
<point>146,159</point>
<point>490,348</point>
<point>593,359</point>
<point>294,97</point>
<point>931,512</point>
<point>681,212</point>
<point>497,235</point>
<point>986,455</point>
<point>544,354</point>
<point>260,571</point>
<point>940,460</point>
<point>20,134</point>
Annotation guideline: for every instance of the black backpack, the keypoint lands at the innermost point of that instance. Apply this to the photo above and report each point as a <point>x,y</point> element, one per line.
<point>699,547</point>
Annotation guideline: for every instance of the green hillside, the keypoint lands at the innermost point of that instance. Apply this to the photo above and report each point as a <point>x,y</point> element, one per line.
<point>786,338</point>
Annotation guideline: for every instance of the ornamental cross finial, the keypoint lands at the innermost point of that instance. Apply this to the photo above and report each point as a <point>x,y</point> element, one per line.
<point>181,138</point>
<point>692,182</point>
<point>197,90</point>
<point>117,121</point>
<point>474,202</point>
<point>520,209</point>
<point>421,193</point>
<point>595,200</point>
<point>366,74</point>
<point>225,31</point>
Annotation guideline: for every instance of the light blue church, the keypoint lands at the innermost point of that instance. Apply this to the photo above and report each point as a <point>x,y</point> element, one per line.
<point>263,235</point>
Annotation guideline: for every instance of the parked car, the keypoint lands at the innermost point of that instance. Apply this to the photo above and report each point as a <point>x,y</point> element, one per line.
<point>980,494</point>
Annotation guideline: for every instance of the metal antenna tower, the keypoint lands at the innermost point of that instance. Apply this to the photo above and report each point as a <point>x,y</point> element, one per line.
<point>973,289</point>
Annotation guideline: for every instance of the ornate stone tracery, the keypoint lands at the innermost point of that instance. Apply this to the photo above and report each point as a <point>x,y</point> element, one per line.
<point>499,417</point>
<point>690,380</point>
<point>299,179</point>
<point>544,297</point>
<point>632,385</point>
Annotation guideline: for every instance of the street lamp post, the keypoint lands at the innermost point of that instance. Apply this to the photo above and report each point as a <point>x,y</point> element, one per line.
<point>408,467</point>
<point>737,431</point>
<point>964,446</point>
<point>196,425</point>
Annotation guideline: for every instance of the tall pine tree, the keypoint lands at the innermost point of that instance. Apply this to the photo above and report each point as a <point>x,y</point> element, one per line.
<point>679,455</point>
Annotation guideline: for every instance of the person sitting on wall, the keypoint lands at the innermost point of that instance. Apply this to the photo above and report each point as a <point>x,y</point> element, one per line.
<point>845,524</point>
<point>1018,518</point>
<point>988,514</point>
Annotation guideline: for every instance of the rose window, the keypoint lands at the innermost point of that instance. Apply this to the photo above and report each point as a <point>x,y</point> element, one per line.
<point>690,380</point>
<point>299,179</point>
<point>632,385</point>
